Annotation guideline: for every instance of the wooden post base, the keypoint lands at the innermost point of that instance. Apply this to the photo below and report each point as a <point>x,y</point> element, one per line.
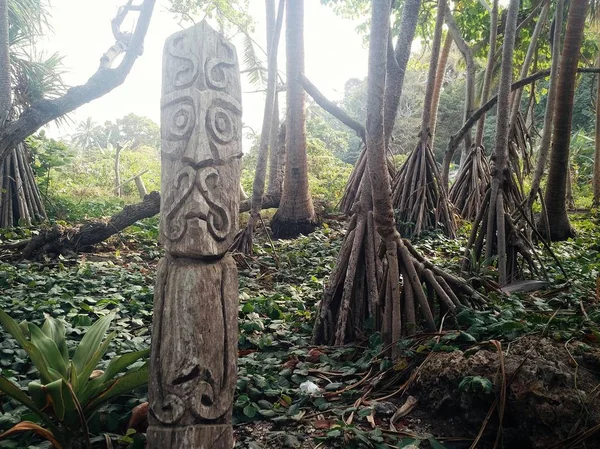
<point>218,436</point>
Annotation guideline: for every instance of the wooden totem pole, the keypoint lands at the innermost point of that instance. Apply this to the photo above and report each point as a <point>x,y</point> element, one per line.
<point>193,364</point>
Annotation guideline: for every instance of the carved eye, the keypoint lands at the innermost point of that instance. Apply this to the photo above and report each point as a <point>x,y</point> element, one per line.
<point>179,118</point>
<point>221,124</point>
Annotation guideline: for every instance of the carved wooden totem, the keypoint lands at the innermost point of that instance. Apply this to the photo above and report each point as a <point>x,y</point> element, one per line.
<point>193,365</point>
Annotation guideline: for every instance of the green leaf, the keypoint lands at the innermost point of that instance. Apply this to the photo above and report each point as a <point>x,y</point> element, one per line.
<point>55,330</point>
<point>121,363</point>
<point>250,411</point>
<point>54,391</point>
<point>49,350</point>
<point>93,359</point>
<point>90,342</point>
<point>129,381</point>
<point>7,387</point>
<point>38,395</point>
<point>34,353</point>
<point>116,366</point>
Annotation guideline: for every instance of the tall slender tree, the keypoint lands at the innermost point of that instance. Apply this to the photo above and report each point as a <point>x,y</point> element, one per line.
<point>597,143</point>
<point>5,94</point>
<point>244,240</point>
<point>468,191</point>
<point>418,194</point>
<point>296,214</point>
<point>494,234</point>
<point>558,221</point>
<point>276,151</point>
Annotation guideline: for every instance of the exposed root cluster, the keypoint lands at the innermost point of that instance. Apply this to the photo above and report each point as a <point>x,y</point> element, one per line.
<point>468,191</point>
<point>419,197</point>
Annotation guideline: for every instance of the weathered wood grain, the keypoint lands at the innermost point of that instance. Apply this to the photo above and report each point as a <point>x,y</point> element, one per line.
<point>193,362</point>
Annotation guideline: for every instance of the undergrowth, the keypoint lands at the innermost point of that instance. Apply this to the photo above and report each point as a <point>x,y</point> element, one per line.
<point>279,290</point>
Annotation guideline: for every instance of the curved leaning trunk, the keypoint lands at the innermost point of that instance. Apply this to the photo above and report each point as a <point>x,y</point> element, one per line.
<point>296,214</point>
<point>555,197</point>
<point>489,69</point>
<point>439,80</point>
<point>275,160</point>
<point>5,97</point>
<point>597,149</point>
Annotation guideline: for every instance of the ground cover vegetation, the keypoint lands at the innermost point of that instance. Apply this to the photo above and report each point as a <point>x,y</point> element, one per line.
<point>437,290</point>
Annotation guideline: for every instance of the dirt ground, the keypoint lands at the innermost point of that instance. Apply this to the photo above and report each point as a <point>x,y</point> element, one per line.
<point>552,399</point>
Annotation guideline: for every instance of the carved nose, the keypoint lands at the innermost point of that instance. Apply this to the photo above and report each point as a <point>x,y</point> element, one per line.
<point>198,149</point>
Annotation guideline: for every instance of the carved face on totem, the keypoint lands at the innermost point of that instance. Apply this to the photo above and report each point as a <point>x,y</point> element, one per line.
<point>201,143</point>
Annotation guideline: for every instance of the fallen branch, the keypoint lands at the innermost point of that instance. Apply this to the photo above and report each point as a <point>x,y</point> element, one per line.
<point>59,240</point>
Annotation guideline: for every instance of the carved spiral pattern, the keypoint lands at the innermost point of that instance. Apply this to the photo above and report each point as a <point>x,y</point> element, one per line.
<point>219,223</point>
<point>215,68</point>
<point>220,124</point>
<point>186,73</point>
<point>179,123</point>
<point>169,410</point>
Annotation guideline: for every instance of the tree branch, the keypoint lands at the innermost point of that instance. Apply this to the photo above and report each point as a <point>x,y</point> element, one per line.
<point>101,82</point>
<point>457,138</point>
<point>331,107</point>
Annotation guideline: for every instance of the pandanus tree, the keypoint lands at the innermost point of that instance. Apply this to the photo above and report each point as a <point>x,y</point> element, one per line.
<point>495,235</point>
<point>296,214</point>
<point>28,79</point>
<point>418,193</point>
<point>468,191</point>
<point>388,292</point>
<point>22,116</point>
<point>558,221</point>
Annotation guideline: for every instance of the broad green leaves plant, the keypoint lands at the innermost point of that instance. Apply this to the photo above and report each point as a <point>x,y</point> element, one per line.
<point>69,391</point>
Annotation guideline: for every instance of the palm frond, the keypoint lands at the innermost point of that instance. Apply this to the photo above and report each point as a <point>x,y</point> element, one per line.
<point>253,66</point>
<point>27,19</point>
<point>35,76</point>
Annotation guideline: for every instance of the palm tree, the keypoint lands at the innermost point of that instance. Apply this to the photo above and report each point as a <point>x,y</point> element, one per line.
<point>85,136</point>
<point>559,225</point>
<point>296,214</point>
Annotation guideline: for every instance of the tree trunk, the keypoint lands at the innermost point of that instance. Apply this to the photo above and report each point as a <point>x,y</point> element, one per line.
<point>118,149</point>
<point>439,80</point>
<point>544,147</point>
<point>244,240</point>
<point>5,89</point>
<point>597,143</point>
<point>396,64</point>
<point>494,224</point>
<point>469,92</point>
<point>518,94</point>
<point>489,71</point>
<point>500,170</point>
<point>519,138</point>
<point>383,213</point>
<point>103,81</point>
<point>555,197</point>
<point>276,152</point>
<point>296,214</point>
<point>418,193</point>
<point>469,82</point>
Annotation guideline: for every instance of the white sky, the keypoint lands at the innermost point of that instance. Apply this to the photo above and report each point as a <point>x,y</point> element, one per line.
<point>334,53</point>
